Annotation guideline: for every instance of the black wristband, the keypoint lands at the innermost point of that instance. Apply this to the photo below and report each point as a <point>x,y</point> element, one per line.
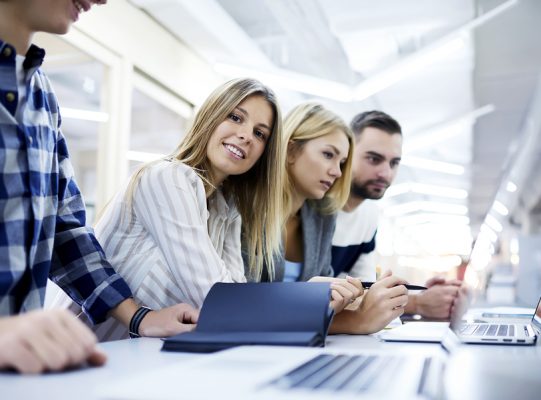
<point>136,321</point>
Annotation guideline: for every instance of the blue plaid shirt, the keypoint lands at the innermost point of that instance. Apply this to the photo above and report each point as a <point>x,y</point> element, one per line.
<point>42,215</point>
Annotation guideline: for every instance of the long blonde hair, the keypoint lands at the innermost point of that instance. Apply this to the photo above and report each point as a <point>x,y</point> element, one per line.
<point>254,192</point>
<point>309,121</point>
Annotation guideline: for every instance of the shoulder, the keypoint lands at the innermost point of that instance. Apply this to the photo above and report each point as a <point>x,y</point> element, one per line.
<point>43,98</point>
<point>166,174</point>
<point>313,219</point>
<point>360,225</point>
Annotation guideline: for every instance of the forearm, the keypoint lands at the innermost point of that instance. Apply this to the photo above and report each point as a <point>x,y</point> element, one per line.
<point>124,311</point>
<point>347,322</point>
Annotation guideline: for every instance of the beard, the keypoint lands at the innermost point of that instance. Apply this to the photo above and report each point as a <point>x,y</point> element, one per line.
<point>364,191</point>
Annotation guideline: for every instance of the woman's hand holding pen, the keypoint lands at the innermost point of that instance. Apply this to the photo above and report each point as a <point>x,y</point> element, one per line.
<point>343,291</point>
<point>381,304</point>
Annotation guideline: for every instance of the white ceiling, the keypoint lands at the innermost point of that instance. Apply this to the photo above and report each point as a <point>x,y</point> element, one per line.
<point>491,65</point>
<point>473,106</point>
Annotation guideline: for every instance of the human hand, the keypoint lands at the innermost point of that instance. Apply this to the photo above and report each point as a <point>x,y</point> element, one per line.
<point>461,303</point>
<point>50,340</point>
<point>435,302</point>
<point>438,280</point>
<point>343,291</point>
<point>382,303</point>
<point>169,321</point>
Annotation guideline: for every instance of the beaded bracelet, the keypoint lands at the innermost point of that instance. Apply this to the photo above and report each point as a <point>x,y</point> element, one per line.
<point>136,321</point>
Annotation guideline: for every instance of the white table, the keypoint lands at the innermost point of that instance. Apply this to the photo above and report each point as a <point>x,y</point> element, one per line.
<point>474,371</point>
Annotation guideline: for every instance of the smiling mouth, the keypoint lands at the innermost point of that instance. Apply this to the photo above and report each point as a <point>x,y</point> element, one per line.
<point>235,151</point>
<point>81,6</point>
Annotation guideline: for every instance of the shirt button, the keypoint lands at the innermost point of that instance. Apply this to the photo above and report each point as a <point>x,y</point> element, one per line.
<point>6,52</point>
<point>10,96</point>
<point>30,140</point>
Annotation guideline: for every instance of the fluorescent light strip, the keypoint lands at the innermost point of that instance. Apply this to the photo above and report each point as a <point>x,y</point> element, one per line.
<point>290,80</point>
<point>431,165</point>
<point>438,263</point>
<point>448,44</point>
<point>143,156</point>
<point>407,66</point>
<point>397,189</point>
<point>442,191</point>
<point>493,223</point>
<point>488,232</point>
<point>480,256</point>
<point>500,208</point>
<point>445,130</point>
<point>430,206</point>
<point>431,190</point>
<point>85,115</point>
<point>432,218</point>
<point>514,246</point>
<point>304,83</point>
<point>511,187</point>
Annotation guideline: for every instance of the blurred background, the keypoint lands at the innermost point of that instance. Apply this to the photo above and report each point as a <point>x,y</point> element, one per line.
<point>463,78</point>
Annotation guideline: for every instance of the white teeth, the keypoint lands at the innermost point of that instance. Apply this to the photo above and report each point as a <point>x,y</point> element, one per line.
<point>234,150</point>
<point>78,6</point>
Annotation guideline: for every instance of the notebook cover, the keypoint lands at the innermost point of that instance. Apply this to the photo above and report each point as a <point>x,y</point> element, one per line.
<point>280,313</point>
<point>206,342</point>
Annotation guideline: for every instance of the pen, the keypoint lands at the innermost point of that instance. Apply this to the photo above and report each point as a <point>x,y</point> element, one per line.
<point>367,285</point>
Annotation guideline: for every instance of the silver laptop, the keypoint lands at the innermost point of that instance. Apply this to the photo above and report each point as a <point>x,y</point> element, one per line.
<point>265,372</point>
<point>498,331</point>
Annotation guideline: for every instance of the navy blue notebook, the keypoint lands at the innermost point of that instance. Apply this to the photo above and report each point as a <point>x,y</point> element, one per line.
<point>278,313</point>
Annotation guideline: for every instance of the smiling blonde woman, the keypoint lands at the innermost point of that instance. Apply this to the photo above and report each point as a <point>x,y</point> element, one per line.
<point>176,228</point>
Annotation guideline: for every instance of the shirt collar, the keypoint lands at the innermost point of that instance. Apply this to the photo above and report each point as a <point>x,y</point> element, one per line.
<point>34,56</point>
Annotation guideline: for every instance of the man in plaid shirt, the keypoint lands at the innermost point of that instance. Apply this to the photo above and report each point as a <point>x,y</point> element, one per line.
<point>42,215</point>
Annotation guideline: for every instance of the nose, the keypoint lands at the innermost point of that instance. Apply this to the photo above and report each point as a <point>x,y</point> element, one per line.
<point>385,171</point>
<point>243,133</point>
<point>336,170</point>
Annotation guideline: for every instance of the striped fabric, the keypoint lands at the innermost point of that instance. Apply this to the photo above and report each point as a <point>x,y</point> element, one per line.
<point>173,248</point>
<point>354,242</point>
<point>42,214</point>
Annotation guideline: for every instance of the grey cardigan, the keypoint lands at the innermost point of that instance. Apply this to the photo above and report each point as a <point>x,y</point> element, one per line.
<point>317,233</point>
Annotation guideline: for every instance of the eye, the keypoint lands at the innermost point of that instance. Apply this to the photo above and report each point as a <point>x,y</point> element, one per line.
<point>373,159</point>
<point>328,155</point>
<point>395,163</point>
<point>234,117</point>
<point>260,135</point>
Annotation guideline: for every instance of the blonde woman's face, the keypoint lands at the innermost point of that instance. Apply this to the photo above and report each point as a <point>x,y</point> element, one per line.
<point>318,164</point>
<point>240,140</point>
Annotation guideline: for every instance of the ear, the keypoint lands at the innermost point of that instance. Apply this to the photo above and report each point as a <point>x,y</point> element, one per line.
<point>293,151</point>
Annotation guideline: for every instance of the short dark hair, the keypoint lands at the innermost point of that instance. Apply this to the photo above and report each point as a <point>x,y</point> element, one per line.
<point>374,119</point>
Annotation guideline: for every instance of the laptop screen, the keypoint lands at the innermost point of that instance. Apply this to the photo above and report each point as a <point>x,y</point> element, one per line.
<point>460,307</point>
<point>536,319</point>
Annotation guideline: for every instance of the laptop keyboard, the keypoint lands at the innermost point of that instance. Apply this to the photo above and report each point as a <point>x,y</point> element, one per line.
<point>487,330</point>
<point>339,372</point>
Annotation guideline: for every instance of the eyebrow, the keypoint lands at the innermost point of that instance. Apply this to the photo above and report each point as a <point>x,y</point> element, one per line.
<point>246,114</point>
<point>376,154</point>
<point>337,152</point>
